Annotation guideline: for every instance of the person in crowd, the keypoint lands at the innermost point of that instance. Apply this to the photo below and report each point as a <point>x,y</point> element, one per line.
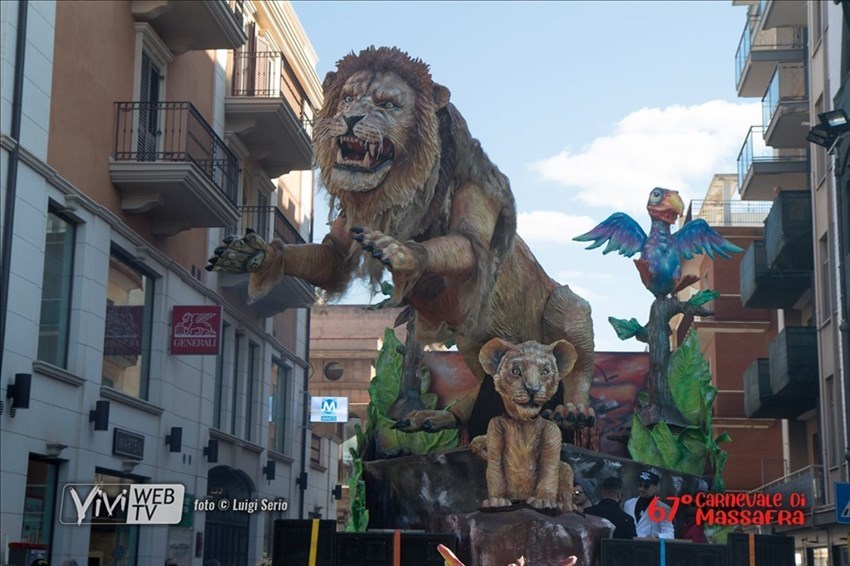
<point>611,491</point>
<point>637,507</point>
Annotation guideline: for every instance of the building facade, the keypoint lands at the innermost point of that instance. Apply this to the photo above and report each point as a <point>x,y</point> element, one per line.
<point>790,55</point>
<point>135,136</point>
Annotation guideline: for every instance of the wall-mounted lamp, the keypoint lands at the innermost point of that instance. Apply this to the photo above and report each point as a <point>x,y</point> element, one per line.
<point>337,491</point>
<point>211,451</point>
<point>129,465</point>
<point>100,415</point>
<point>302,481</point>
<point>54,449</point>
<point>174,440</point>
<point>19,392</point>
<point>269,470</point>
<point>832,125</point>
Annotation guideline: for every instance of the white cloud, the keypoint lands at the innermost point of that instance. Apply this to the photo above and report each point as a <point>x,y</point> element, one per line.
<point>678,147</point>
<point>549,227</point>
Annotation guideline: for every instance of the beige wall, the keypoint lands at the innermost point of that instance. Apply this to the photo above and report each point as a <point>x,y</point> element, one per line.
<point>93,71</point>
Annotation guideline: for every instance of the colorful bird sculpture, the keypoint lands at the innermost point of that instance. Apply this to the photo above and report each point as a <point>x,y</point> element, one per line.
<point>661,253</point>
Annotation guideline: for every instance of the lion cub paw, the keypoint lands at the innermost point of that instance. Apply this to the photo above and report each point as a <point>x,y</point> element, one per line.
<point>493,502</point>
<point>538,503</point>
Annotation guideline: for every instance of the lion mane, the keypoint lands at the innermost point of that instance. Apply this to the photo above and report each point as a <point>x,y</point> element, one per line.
<point>433,159</point>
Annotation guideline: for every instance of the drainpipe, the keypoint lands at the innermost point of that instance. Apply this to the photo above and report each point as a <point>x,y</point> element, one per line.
<point>12,172</point>
<point>840,198</point>
<point>305,420</point>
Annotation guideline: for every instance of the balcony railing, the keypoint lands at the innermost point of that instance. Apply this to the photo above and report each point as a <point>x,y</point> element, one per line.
<point>238,9</point>
<point>729,213</point>
<point>174,132</point>
<point>808,481</point>
<point>756,150</point>
<point>778,41</point>
<point>257,218</point>
<point>267,74</point>
<point>788,84</point>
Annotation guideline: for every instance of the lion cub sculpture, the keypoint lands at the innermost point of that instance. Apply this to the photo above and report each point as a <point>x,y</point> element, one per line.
<point>522,449</point>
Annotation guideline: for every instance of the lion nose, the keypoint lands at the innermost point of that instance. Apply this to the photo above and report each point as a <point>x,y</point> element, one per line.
<point>532,389</point>
<point>352,120</point>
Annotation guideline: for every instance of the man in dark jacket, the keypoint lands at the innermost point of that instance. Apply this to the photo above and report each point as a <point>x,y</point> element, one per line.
<point>608,507</point>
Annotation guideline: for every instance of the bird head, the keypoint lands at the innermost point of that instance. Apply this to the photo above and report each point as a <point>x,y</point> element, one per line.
<point>665,205</point>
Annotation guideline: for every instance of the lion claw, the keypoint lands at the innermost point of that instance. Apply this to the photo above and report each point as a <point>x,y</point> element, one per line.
<point>401,424</point>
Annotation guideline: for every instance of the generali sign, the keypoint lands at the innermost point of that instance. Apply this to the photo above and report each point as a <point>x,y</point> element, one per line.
<point>196,330</point>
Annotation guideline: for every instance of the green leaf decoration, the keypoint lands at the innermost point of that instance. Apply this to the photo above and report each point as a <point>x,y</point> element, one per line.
<point>387,288</point>
<point>695,449</point>
<point>642,445</point>
<point>688,375</point>
<point>702,297</point>
<point>692,442</point>
<point>626,329</point>
<point>384,390</point>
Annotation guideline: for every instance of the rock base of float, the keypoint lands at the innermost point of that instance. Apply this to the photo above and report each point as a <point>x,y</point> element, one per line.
<point>416,492</point>
<point>442,493</point>
<point>498,538</point>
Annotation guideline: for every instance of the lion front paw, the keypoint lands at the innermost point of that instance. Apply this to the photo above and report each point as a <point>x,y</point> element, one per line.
<point>239,255</point>
<point>542,503</point>
<point>495,502</point>
<point>398,257</point>
<point>574,416</point>
<point>429,421</point>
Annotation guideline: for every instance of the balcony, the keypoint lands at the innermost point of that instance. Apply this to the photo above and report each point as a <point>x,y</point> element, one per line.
<point>781,13</point>
<point>809,482</point>
<point>729,213</point>
<point>761,168</point>
<point>760,49</point>
<point>189,25</point>
<point>169,163</point>
<point>269,112</point>
<point>793,356</point>
<point>761,401</point>
<point>765,288</point>
<point>785,107</point>
<point>290,292</point>
<point>788,232</point>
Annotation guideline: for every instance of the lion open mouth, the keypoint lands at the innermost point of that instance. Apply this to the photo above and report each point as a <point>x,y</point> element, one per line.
<point>359,155</point>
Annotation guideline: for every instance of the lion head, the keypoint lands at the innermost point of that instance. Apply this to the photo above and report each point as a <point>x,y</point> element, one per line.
<point>526,375</point>
<point>377,140</point>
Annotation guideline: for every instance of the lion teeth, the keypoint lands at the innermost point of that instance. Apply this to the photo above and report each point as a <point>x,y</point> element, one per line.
<point>372,148</point>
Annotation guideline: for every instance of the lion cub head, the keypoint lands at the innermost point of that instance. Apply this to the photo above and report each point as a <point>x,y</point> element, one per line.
<point>526,375</point>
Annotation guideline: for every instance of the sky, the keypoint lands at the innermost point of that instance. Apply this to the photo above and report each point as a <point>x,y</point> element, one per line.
<point>585,106</point>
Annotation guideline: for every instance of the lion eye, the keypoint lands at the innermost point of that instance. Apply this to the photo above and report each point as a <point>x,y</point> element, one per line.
<point>389,105</point>
<point>348,98</point>
<point>544,371</point>
<point>516,371</point>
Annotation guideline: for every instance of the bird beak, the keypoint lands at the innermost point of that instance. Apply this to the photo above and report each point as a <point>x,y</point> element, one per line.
<point>675,202</point>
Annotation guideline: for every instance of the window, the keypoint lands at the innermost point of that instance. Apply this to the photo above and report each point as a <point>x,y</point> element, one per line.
<point>280,377</point>
<point>234,405</point>
<point>127,339</point>
<point>218,395</point>
<point>110,541</point>
<point>316,449</point>
<point>56,291</point>
<point>825,306</point>
<point>39,501</point>
<point>253,375</point>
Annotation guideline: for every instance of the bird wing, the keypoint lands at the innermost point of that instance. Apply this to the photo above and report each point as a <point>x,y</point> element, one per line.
<point>622,233</point>
<point>697,237</point>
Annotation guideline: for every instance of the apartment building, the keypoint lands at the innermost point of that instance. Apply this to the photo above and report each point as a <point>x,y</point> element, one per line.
<point>730,336</point>
<point>794,56</point>
<point>135,135</point>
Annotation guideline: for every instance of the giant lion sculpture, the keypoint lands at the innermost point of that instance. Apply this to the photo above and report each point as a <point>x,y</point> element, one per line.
<point>413,192</point>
